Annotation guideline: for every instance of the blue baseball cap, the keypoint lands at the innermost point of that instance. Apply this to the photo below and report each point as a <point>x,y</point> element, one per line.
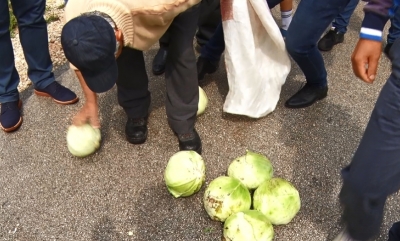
<point>89,44</point>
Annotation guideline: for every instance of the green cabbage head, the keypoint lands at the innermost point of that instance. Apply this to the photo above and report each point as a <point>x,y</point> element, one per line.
<point>203,101</point>
<point>83,140</point>
<point>251,169</point>
<point>185,173</point>
<point>224,197</point>
<point>278,200</point>
<point>250,225</point>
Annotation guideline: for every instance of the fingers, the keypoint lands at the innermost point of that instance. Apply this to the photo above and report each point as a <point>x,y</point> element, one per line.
<point>360,67</point>
<point>95,122</point>
<point>372,68</point>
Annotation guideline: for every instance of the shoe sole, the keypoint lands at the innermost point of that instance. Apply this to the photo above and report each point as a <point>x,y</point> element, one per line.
<point>307,105</point>
<point>44,94</point>
<point>16,126</point>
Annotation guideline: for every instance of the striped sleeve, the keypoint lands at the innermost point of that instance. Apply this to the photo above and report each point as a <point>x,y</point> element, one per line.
<point>377,13</point>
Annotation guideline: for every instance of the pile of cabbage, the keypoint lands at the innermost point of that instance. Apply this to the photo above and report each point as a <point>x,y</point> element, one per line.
<point>249,199</point>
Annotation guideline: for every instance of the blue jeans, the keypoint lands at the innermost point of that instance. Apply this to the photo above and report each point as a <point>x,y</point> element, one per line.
<point>310,21</point>
<point>214,48</point>
<point>342,20</point>
<point>33,37</point>
<point>374,172</point>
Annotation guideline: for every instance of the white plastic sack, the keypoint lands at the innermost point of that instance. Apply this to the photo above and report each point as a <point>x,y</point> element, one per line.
<point>256,59</point>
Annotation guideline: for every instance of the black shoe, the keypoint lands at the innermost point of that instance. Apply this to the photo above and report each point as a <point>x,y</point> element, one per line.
<point>190,141</point>
<point>159,61</point>
<point>307,96</point>
<point>387,48</point>
<point>204,66</point>
<point>330,39</point>
<point>136,130</point>
<point>10,117</point>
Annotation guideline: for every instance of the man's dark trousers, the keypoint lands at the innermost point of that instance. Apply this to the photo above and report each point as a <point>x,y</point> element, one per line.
<point>34,41</point>
<point>180,77</point>
<point>311,19</point>
<point>374,172</point>
<point>209,19</point>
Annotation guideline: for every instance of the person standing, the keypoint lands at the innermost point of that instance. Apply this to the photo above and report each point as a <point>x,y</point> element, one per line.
<point>374,172</point>
<point>31,26</point>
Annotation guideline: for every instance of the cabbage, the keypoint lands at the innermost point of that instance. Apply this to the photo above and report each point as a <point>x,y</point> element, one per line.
<point>250,225</point>
<point>203,101</point>
<point>278,200</point>
<point>83,140</point>
<point>185,173</point>
<point>224,197</point>
<point>251,169</point>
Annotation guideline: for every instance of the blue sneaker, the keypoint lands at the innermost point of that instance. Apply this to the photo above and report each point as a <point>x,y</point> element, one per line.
<point>59,93</point>
<point>10,117</point>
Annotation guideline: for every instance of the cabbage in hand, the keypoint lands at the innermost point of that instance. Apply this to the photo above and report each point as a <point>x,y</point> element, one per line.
<point>83,140</point>
<point>278,200</point>
<point>250,225</point>
<point>185,173</point>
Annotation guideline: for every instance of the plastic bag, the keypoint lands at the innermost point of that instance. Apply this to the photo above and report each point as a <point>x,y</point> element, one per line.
<point>256,59</point>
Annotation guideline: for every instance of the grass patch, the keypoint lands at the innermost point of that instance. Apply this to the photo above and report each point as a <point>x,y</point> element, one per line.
<point>13,20</point>
<point>52,18</point>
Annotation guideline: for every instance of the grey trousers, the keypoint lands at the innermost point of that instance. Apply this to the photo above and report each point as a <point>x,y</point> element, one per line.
<point>180,77</point>
<point>209,18</point>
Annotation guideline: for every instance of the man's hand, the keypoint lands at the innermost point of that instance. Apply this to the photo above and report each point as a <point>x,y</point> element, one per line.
<point>365,59</point>
<point>88,114</point>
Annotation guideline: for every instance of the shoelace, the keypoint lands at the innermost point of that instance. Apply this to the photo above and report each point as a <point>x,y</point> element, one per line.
<point>186,136</point>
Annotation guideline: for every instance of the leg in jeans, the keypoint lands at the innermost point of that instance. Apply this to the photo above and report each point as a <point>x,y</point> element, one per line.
<point>180,73</point>
<point>32,26</point>
<point>9,78</point>
<point>341,22</point>
<point>374,171</point>
<point>214,48</point>
<point>311,19</point>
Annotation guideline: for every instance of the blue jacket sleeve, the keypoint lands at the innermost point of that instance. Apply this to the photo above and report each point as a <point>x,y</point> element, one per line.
<point>377,13</point>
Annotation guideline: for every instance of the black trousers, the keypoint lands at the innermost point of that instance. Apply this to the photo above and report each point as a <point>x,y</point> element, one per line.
<point>209,18</point>
<point>180,76</point>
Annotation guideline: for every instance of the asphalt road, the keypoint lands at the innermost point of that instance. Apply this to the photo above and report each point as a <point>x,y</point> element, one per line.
<point>119,193</point>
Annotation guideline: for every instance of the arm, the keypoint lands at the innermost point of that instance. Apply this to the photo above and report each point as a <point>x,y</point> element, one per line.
<point>89,112</point>
<point>366,55</point>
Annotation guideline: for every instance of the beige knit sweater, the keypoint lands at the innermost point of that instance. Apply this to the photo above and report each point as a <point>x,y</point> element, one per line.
<point>142,22</point>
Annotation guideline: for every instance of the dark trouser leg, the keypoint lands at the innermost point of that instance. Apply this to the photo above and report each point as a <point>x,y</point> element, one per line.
<point>181,73</point>
<point>209,18</point>
<point>9,78</point>
<point>34,40</point>
<point>132,83</point>
<point>310,20</point>
<point>374,172</point>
